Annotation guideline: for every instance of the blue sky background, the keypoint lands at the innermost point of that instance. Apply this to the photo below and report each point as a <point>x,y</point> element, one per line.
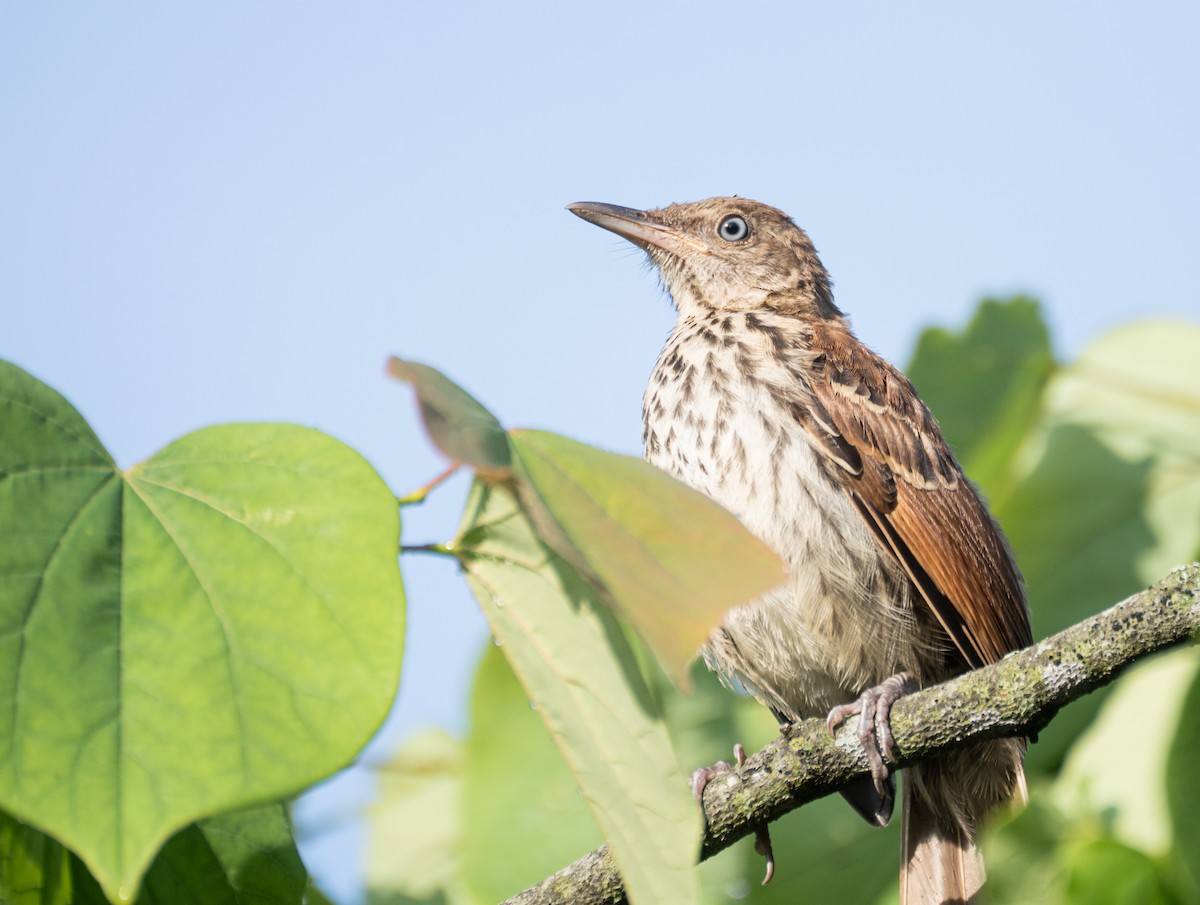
<point>235,212</point>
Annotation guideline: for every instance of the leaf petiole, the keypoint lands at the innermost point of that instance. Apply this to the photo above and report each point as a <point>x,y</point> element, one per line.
<point>418,495</point>
<point>436,549</point>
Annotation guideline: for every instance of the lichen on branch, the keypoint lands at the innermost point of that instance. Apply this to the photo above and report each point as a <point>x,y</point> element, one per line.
<point>1017,696</point>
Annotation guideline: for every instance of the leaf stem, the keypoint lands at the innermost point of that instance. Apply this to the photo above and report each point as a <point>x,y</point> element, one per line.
<point>418,495</point>
<point>435,549</point>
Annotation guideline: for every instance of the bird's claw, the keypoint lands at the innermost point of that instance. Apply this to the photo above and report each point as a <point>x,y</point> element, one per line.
<point>762,845</point>
<point>702,777</point>
<point>874,709</point>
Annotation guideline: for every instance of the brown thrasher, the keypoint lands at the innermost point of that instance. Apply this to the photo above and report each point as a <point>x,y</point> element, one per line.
<point>764,399</point>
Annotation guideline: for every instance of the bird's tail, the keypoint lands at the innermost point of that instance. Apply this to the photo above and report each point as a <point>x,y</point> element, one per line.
<point>945,802</point>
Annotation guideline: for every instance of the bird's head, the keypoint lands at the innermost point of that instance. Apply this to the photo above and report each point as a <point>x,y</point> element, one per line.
<point>729,254</point>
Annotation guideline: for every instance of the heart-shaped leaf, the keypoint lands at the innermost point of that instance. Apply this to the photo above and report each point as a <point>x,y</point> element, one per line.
<point>220,626</point>
<point>671,560</point>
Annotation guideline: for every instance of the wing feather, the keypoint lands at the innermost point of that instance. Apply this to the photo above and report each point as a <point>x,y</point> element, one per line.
<point>912,493</point>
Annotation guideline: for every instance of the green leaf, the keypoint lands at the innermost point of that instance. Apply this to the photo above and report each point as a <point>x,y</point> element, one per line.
<point>1105,871</point>
<point>417,824</point>
<point>1138,391</point>
<point>1113,475</point>
<point>253,850</point>
<point>523,814</point>
<point>671,560</point>
<point>576,667</point>
<point>220,626</point>
<point>1023,854</point>
<point>1183,782</point>
<point>242,857</point>
<point>827,853</point>
<point>1107,486</point>
<point>34,869</point>
<point>704,727</point>
<point>465,431</point>
<point>985,384</point>
<point>1118,767</point>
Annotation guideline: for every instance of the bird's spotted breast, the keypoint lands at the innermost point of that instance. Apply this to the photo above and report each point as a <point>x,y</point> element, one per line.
<point>722,413</point>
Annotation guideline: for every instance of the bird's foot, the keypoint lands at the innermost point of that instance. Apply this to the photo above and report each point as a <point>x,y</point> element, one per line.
<point>702,777</point>
<point>874,709</point>
<point>762,836</point>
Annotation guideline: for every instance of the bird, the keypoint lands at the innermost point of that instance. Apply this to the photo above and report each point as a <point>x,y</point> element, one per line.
<point>765,400</point>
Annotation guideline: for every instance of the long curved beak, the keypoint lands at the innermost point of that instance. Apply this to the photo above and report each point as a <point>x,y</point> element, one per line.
<point>639,227</point>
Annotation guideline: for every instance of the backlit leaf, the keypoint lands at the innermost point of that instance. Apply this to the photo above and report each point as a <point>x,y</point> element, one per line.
<point>417,824</point>
<point>670,559</point>
<point>523,814</point>
<point>458,425</point>
<point>578,671</point>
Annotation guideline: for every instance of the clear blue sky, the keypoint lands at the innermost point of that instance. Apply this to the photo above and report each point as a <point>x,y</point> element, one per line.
<point>235,212</point>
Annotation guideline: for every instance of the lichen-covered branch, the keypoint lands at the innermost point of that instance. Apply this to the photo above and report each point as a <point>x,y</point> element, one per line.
<point>1017,696</point>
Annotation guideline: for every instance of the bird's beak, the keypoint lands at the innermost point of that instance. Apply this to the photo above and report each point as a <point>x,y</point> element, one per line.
<point>639,227</point>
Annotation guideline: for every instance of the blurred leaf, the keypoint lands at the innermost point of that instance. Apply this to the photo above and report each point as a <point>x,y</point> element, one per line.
<point>220,626</point>
<point>1022,854</point>
<point>417,826</point>
<point>34,869</point>
<point>1078,525</point>
<point>1183,781</point>
<point>239,858</point>
<point>705,722</point>
<point>1042,855</point>
<point>1118,768</point>
<point>672,560</point>
<point>314,896</point>
<point>577,669</point>
<point>1099,497</point>
<point>523,814</point>
<point>458,425</point>
<point>985,384</point>
<point>1105,871</point>
<point>1108,487</point>
<point>827,853</point>
<point>1138,390</point>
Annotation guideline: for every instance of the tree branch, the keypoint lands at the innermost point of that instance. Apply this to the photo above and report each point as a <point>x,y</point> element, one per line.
<point>1016,697</point>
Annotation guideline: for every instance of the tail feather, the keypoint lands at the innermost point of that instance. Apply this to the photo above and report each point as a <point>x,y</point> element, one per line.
<point>939,864</point>
<point>945,803</point>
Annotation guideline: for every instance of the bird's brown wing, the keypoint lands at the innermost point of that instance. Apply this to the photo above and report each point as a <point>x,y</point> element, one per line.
<point>901,475</point>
